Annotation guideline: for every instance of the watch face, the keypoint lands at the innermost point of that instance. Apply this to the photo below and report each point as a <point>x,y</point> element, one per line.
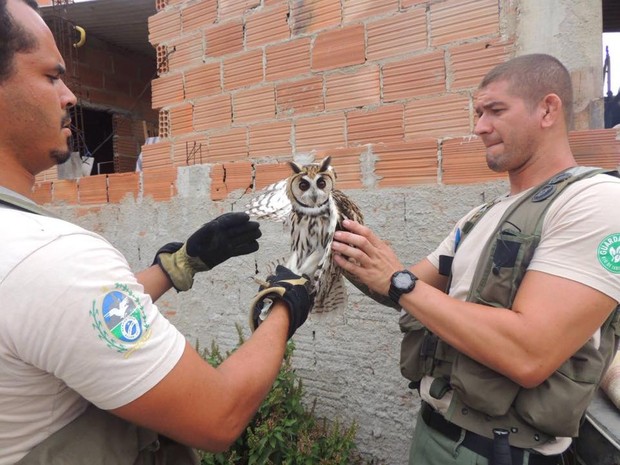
<point>402,280</point>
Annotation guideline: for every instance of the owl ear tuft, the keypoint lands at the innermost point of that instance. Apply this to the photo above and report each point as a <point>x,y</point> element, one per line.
<point>295,167</point>
<point>325,163</point>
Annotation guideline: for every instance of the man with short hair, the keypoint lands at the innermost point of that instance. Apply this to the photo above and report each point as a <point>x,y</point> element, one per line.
<point>90,371</point>
<point>510,323</point>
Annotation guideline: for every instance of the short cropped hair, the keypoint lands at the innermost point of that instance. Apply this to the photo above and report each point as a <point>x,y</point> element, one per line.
<point>533,76</point>
<point>13,39</point>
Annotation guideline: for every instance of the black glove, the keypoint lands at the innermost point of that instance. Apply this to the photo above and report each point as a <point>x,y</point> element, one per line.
<point>285,285</point>
<point>229,235</point>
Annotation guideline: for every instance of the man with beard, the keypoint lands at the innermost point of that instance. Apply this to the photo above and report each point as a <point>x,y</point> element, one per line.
<point>90,371</point>
<point>510,323</point>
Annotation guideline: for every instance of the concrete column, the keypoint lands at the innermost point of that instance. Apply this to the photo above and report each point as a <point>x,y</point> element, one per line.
<point>572,31</point>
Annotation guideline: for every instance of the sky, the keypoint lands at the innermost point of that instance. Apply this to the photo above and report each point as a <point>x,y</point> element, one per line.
<point>612,40</point>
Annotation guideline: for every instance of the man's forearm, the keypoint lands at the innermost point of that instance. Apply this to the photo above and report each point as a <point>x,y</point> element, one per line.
<point>154,281</point>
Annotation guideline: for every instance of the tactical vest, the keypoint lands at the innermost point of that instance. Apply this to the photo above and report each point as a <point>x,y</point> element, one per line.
<point>482,398</point>
<point>96,436</point>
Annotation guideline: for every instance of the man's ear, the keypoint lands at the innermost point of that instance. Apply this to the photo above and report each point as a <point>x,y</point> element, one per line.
<point>552,110</point>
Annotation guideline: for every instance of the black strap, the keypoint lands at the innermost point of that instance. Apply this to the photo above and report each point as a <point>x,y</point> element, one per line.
<point>479,444</point>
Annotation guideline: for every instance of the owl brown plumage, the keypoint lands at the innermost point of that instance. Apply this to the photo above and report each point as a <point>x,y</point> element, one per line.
<point>314,210</point>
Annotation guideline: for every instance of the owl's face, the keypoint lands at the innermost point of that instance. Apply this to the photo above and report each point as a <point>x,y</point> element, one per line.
<point>310,186</point>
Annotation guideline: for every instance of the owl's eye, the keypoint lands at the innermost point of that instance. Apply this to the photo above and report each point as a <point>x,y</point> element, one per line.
<point>321,183</point>
<point>304,185</point>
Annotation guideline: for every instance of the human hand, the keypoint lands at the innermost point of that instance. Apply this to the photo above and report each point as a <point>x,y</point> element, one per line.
<point>285,285</point>
<point>360,252</point>
<point>228,235</point>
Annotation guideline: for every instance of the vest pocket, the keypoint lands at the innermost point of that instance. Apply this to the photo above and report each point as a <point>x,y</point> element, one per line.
<point>511,253</point>
<point>557,405</point>
<point>481,388</point>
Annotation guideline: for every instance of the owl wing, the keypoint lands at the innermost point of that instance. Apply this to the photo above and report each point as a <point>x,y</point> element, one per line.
<point>347,209</point>
<point>271,203</point>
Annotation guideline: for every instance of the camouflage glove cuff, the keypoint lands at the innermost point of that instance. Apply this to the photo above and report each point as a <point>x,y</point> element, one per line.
<point>292,289</point>
<point>179,267</point>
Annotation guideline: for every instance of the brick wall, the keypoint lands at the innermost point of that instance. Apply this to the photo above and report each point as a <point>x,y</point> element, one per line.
<point>249,84</point>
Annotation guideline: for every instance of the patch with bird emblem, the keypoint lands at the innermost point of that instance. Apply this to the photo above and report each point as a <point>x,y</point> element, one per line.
<point>119,318</point>
<point>609,253</point>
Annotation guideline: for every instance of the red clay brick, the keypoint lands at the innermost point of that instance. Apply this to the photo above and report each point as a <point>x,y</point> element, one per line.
<point>397,35</point>
<point>128,67</point>
<point>228,177</point>
<point>464,162</point>
<point>203,81</point>
<point>42,192</point>
<point>353,89</point>
<point>90,77</point>
<point>199,15</point>
<point>93,189</point>
<point>65,190</point>
<point>270,139</point>
<point>160,183</point>
<point>231,145</point>
<point>188,51</point>
<point>470,62</point>
<point>167,89</point>
<point>303,96</point>
<point>456,21</point>
<point>443,116</point>
<point>383,125</point>
<point>346,164</point>
<point>116,84</point>
<point>339,48</point>
<point>121,185</point>
<point>269,173</point>
<point>596,147</point>
<point>406,164</point>
<point>164,25</point>
<point>224,38</point>
<point>212,112</point>
<point>233,8</point>
<point>219,190</point>
<point>421,75</point>
<point>309,17</point>
<point>267,25</point>
<point>325,131</point>
<point>288,59</point>
<point>243,70</point>
<point>156,155</point>
<point>181,119</point>
<point>254,104</point>
<point>354,10</point>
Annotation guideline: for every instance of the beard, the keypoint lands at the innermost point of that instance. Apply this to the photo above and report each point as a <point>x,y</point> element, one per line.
<point>60,156</point>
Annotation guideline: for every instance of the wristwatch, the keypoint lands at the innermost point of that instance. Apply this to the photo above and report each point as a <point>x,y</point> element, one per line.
<point>402,282</point>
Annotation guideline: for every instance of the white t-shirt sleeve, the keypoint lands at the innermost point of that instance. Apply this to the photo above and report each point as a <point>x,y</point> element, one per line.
<point>581,236</point>
<point>89,322</point>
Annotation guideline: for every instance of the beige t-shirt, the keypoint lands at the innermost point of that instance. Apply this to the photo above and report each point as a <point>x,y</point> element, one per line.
<point>580,240</point>
<point>75,327</point>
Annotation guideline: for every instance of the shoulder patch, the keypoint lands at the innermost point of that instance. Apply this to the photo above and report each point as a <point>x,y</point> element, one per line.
<point>608,253</point>
<point>120,320</point>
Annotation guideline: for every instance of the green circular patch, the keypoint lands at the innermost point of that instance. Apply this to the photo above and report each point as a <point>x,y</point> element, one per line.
<point>608,253</point>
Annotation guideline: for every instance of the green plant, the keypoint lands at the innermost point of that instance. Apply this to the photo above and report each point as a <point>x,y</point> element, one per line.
<point>283,431</point>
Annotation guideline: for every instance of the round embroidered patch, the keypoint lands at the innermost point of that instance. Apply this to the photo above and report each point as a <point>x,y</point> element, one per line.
<point>609,253</point>
<point>119,319</point>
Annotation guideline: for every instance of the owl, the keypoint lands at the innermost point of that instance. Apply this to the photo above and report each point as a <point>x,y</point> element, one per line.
<point>313,209</point>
